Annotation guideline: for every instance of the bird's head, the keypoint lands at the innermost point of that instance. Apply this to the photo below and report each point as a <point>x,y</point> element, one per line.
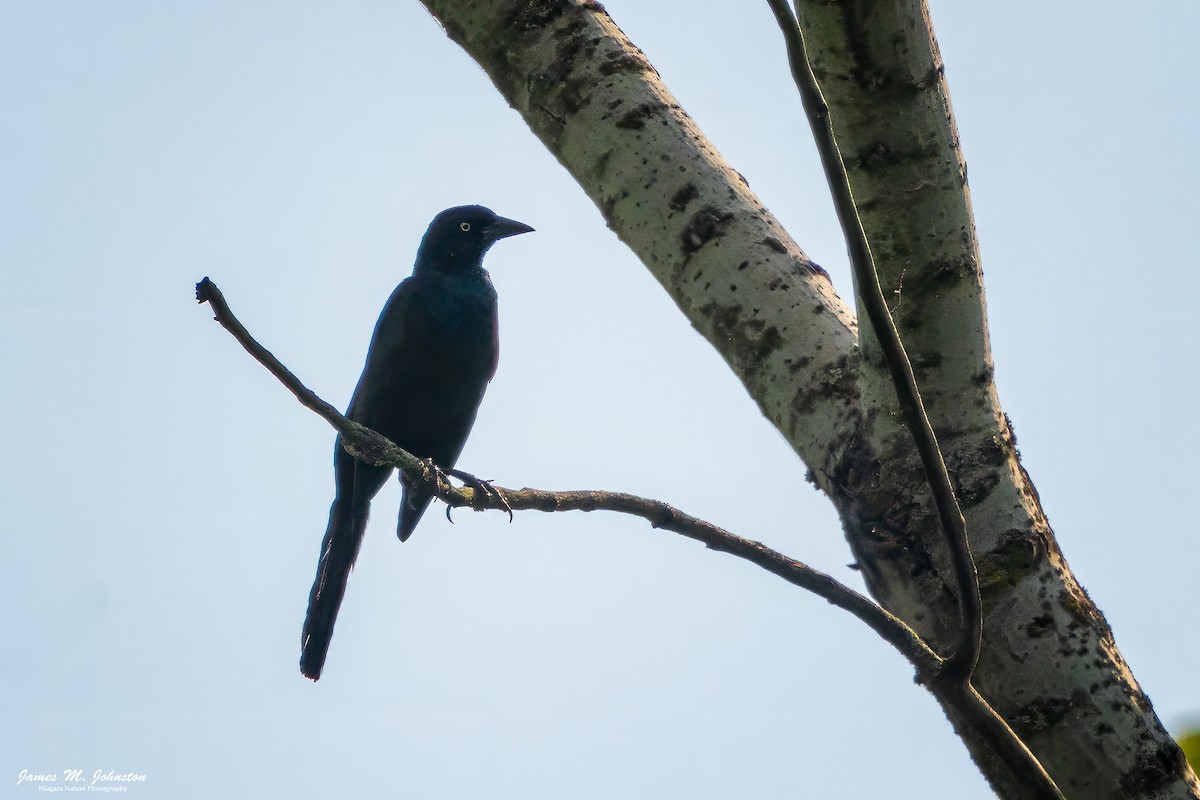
<point>458,237</point>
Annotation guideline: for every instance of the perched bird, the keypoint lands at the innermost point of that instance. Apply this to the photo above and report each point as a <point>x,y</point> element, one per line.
<point>434,350</point>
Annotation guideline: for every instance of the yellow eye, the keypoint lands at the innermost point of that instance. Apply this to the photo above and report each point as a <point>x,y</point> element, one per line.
<point>464,227</point>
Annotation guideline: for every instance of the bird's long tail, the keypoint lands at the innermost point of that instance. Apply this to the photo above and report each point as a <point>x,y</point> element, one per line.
<point>338,552</point>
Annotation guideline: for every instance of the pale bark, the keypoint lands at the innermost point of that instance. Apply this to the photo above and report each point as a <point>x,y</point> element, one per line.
<point>1049,664</point>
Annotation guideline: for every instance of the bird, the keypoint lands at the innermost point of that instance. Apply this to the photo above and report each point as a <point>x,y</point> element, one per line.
<point>434,350</point>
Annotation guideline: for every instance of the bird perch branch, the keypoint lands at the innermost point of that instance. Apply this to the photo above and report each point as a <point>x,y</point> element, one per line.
<point>366,444</point>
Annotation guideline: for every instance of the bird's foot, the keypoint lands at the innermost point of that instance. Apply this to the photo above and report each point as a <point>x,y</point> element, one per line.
<point>438,475</point>
<point>485,489</point>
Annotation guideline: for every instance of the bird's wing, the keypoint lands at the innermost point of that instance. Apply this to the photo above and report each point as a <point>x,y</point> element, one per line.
<point>388,344</point>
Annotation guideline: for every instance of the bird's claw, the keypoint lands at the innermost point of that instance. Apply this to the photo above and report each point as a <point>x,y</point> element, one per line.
<point>437,473</point>
<point>440,479</point>
<point>484,487</point>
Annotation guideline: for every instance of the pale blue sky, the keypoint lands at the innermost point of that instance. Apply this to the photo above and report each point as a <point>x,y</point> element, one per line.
<point>164,498</point>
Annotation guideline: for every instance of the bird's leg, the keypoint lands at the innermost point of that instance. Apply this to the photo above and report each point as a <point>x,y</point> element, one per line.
<point>439,476</point>
<point>432,470</point>
<point>485,488</point>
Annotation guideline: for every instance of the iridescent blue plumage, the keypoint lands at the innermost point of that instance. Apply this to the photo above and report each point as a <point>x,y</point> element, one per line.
<point>434,350</point>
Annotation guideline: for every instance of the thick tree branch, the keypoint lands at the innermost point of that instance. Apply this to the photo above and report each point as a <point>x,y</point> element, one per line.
<point>370,446</point>
<point>966,654</point>
<point>956,678</point>
<point>1049,662</point>
<point>661,185</point>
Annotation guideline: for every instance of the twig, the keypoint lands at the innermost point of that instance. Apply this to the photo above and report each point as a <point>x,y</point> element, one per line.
<point>207,292</point>
<point>1000,738</point>
<point>371,446</point>
<point>359,440</point>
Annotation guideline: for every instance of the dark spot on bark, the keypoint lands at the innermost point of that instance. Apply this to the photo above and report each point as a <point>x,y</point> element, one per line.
<point>972,493</point>
<point>898,515</point>
<point>534,15</point>
<point>774,244</point>
<point>1076,603</point>
<point>624,61</point>
<point>635,118</point>
<point>705,225</point>
<point>926,361</point>
<point>794,365</point>
<point>839,382</point>
<point>985,375</point>
<point>555,88</point>
<point>878,155</point>
<point>1012,432</point>
<point>1040,714</point>
<point>1039,626</point>
<point>932,77</point>
<point>937,277</point>
<point>607,209</point>
<point>994,451</point>
<point>856,466</point>
<point>679,201</point>
<point>1162,765</point>
<point>1016,554</point>
<point>749,341</point>
<point>743,265</point>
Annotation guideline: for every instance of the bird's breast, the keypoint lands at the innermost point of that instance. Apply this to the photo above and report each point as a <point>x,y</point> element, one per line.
<point>433,353</point>
<point>454,333</point>
<point>458,318</point>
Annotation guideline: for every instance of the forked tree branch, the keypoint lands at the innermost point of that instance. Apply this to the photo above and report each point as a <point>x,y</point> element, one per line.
<point>370,446</point>
<point>955,681</point>
<point>962,661</point>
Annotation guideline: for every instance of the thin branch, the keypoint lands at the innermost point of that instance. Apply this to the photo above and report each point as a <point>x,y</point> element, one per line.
<point>665,517</point>
<point>966,654</point>
<point>371,446</point>
<point>360,441</point>
<point>207,292</point>
<point>1001,739</point>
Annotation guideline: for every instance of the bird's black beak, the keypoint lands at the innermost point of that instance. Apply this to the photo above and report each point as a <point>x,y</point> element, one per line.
<point>503,227</point>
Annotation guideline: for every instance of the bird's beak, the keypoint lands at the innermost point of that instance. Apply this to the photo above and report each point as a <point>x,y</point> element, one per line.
<point>504,227</point>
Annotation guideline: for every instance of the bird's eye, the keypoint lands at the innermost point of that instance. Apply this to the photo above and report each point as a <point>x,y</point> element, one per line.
<point>464,226</point>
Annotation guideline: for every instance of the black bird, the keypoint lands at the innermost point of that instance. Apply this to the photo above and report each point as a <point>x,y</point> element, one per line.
<point>434,350</point>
